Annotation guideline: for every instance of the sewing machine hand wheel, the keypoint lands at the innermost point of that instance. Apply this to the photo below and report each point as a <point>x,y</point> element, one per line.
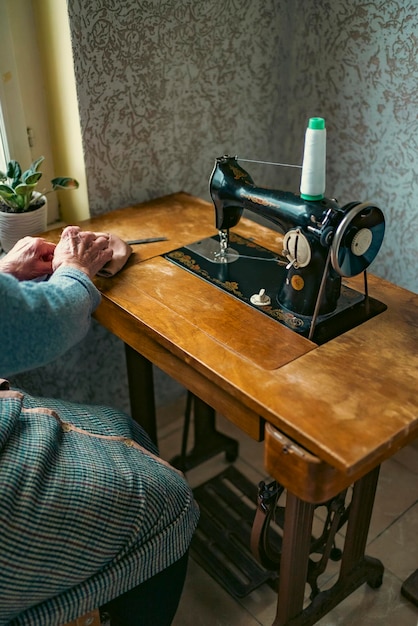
<point>357,239</point>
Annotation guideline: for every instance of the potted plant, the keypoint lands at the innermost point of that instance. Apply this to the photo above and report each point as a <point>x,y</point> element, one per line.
<point>23,209</point>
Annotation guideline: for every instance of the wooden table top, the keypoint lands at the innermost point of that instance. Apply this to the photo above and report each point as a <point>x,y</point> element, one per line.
<point>352,401</point>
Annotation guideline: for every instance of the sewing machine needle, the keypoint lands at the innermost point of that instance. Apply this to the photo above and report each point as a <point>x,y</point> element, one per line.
<point>149,240</point>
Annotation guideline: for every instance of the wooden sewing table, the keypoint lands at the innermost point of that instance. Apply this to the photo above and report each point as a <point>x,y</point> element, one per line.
<point>329,415</point>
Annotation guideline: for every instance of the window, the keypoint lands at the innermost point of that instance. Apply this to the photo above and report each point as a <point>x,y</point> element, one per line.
<point>22,98</point>
<point>37,92</point>
<point>4,148</point>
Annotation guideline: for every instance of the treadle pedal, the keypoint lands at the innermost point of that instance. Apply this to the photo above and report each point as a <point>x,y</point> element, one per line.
<point>221,544</point>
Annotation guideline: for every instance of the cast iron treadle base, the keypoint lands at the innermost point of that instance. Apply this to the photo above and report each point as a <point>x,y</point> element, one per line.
<point>221,544</point>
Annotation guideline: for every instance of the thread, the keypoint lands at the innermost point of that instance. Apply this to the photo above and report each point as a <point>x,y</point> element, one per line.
<point>312,184</point>
<point>269,163</point>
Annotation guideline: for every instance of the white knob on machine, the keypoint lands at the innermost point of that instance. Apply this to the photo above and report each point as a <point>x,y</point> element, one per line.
<point>296,248</point>
<point>361,241</point>
<point>260,298</point>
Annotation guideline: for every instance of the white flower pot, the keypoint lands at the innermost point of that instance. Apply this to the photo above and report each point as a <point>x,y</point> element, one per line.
<point>14,226</point>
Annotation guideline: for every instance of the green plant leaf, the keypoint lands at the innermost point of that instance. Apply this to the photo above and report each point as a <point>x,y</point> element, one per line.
<point>31,178</point>
<point>10,198</point>
<point>6,191</point>
<point>17,190</point>
<point>14,170</point>
<point>23,190</point>
<point>36,164</point>
<point>64,182</point>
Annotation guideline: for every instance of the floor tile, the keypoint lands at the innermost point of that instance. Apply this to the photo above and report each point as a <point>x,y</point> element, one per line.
<point>397,546</point>
<point>205,603</point>
<point>408,457</point>
<point>369,607</point>
<point>397,491</point>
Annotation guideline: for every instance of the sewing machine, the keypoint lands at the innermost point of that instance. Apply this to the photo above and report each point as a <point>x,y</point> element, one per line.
<point>301,285</point>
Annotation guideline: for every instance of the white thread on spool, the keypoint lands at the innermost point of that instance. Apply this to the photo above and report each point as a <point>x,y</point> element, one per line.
<point>312,184</point>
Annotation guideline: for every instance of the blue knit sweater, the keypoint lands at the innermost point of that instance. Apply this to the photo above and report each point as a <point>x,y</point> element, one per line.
<point>42,320</point>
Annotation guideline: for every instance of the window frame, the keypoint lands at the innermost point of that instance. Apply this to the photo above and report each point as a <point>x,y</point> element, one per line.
<point>22,95</point>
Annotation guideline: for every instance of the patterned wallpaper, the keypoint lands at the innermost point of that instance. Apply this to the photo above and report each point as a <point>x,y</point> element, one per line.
<point>165,86</point>
<point>356,62</point>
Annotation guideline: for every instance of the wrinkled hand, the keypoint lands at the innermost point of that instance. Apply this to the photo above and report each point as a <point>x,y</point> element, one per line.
<point>30,257</point>
<point>84,250</point>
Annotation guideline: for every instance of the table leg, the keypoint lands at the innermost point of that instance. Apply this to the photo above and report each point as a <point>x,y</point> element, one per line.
<point>356,568</point>
<point>141,391</point>
<point>294,558</point>
<point>361,509</point>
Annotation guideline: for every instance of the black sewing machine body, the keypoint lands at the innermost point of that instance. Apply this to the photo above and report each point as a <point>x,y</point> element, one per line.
<point>232,190</point>
<point>323,243</point>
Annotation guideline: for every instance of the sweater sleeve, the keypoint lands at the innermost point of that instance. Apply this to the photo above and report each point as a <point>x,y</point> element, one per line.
<point>42,320</point>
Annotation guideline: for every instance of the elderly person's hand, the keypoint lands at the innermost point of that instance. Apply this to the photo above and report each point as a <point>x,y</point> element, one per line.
<point>84,250</point>
<point>30,257</point>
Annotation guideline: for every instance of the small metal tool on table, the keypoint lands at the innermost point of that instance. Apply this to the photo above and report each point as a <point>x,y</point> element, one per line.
<point>134,242</point>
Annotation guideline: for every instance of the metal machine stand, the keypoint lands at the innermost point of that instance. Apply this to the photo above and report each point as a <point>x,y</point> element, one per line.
<point>284,553</point>
<point>356,568</point>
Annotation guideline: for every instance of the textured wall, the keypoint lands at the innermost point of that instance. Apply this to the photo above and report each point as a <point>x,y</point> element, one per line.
<point>165,86</point>
<point>356,63</point>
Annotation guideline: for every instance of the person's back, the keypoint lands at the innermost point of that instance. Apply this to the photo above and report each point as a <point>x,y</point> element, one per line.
<point>89,515</point>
